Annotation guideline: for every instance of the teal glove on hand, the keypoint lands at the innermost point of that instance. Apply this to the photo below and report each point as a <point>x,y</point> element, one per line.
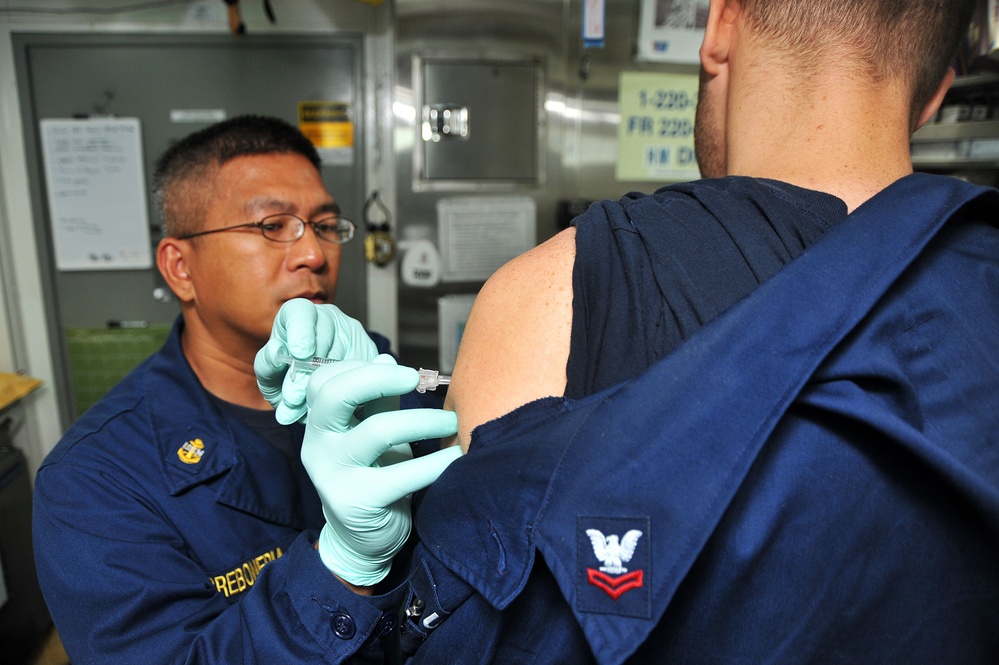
<point>364,471</point>
<point>303,329</point>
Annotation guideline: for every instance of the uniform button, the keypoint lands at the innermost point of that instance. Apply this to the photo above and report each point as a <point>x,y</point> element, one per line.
<point>343,626</point>
<point>387,624</point>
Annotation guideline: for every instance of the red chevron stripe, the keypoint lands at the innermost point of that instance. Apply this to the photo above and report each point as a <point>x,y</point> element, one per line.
<point>615,586</point>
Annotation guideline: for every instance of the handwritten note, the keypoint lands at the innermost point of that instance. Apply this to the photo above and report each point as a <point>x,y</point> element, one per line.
<point>96,194</point>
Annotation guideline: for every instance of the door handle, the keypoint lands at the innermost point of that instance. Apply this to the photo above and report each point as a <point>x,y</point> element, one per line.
<point>444,121</point>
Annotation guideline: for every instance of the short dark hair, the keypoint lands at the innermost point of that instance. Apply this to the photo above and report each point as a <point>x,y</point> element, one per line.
<point>910,40</point>
<point>193,160</point>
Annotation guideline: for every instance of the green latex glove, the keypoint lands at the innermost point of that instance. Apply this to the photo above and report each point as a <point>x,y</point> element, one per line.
<point>303,329</point>
<point>364,470</point>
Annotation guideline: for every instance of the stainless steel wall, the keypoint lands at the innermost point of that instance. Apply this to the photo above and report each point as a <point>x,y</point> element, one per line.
<point>577,118</point>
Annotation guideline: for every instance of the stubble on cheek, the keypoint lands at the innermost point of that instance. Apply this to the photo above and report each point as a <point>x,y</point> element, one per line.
<point>709,127</point>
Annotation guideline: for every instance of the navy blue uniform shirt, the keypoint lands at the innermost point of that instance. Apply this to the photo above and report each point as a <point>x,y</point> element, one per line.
<point>653,270</point>
<point>811,477</point>
<point>167,530</point>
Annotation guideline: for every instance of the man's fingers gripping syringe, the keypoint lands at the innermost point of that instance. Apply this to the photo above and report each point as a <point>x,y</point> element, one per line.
<point>303,329</point>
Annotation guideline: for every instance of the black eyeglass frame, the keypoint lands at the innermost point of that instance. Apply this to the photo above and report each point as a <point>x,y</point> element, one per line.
<point>351,226</point>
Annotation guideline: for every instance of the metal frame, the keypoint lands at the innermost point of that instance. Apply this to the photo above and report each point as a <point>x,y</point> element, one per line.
<point>421,184</point>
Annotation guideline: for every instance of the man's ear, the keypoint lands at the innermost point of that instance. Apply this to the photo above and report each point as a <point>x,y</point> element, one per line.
<point>718,34</point>
<point>171,259</point>
<point>936,100</point>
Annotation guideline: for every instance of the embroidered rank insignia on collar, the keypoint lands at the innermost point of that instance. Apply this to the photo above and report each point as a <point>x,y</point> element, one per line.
<point>614,566</point>
<point>192,451</point>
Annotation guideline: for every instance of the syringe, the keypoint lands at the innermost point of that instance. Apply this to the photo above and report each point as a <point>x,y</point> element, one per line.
<point>307,366</point>
<point>429,378</point>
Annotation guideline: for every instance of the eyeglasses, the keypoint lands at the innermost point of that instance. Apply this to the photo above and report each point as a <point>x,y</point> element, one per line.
<point>285,227</point>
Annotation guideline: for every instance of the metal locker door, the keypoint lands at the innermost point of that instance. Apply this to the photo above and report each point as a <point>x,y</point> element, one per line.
<point>480,121</point>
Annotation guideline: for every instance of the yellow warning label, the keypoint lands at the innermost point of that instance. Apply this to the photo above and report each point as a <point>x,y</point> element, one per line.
<point>326,124</point>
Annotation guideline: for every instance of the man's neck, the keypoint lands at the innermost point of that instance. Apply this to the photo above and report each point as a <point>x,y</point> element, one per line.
<point>227,373</point>
<point>834,134</point>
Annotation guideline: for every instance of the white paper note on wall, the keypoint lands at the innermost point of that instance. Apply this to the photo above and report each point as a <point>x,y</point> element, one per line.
<point>96,192</point>
<point>477,235</point>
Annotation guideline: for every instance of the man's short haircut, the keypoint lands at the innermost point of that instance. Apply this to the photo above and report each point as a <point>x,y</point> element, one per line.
<point>908,40</point>
<point>183,175</point>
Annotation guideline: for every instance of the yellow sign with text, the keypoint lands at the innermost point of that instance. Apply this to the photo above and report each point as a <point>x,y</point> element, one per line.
<point>656,132</point>
<point>326,124</point>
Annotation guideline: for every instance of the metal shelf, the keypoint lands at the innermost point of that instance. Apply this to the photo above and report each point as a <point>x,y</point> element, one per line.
<point>976,80</point>
<point>963,137</point>
<point>982,129</point>
<point>954,164</point>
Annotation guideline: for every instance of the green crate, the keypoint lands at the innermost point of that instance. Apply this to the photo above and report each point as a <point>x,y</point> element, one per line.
<point>101,357</point>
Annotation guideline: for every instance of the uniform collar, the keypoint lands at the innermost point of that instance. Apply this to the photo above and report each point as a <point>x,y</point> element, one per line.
<point>197,442</point>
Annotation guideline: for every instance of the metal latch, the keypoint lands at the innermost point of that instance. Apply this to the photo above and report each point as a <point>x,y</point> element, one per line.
<point>444,120</point>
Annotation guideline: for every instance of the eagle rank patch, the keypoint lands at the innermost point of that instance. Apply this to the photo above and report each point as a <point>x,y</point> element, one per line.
<point>613,561</point>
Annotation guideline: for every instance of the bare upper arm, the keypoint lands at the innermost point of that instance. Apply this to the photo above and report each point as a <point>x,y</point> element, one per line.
<point>516,342</point>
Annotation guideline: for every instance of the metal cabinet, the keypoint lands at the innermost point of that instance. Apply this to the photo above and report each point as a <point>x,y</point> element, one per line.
<point>480,121</point>
<point>963,139</point>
